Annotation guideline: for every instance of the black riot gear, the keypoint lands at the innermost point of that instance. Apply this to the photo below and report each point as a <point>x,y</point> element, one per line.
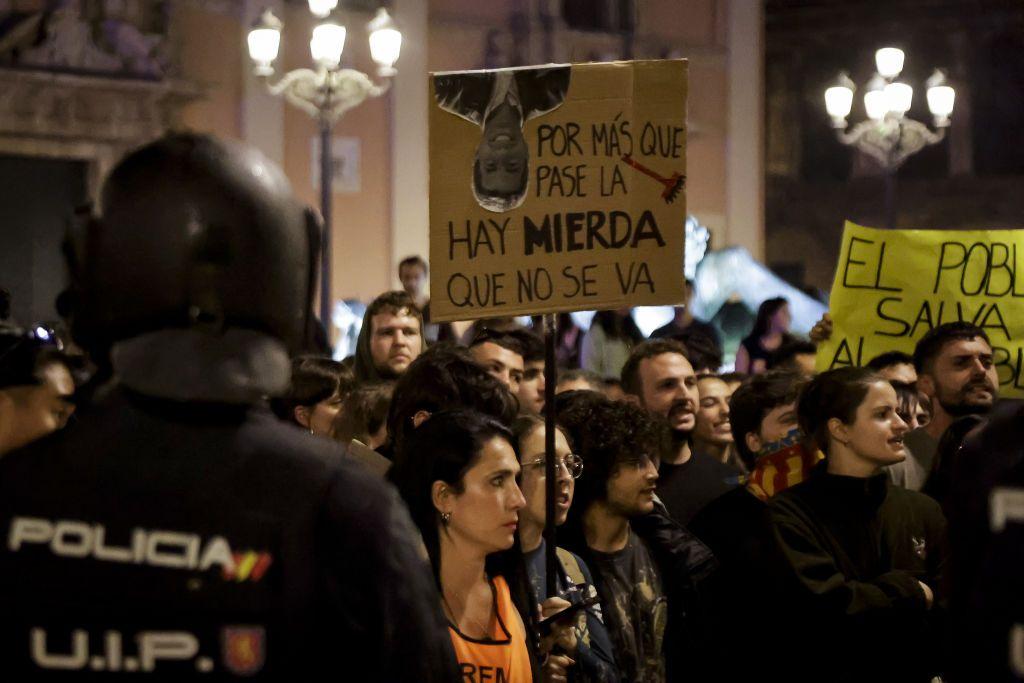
<point>178,531</point>
<point>196,233</point>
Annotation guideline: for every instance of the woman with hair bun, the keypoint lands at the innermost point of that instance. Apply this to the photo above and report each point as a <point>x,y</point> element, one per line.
<point>867,555</point>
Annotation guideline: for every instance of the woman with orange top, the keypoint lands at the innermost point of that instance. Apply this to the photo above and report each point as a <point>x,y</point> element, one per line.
<point>458,477</point>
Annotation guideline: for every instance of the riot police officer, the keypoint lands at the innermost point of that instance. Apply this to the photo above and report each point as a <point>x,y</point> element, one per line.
<point>986,530</point>
<point>180,531</point>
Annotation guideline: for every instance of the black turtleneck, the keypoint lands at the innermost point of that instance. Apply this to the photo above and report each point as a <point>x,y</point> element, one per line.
<point>858,547</point>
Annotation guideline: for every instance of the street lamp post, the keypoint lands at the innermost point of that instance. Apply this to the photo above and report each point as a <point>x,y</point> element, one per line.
<point>326,92</point>
<point>888,135</point>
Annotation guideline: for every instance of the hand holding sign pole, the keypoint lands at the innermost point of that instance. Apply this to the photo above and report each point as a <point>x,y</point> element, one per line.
<point>550,466</point>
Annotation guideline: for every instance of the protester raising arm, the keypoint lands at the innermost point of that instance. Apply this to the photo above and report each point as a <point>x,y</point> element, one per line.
<point>822,330</point>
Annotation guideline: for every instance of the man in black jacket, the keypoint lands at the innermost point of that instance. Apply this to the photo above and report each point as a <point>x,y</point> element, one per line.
<point>179,531</point>
<point>658,376</point>
<point>748,596</point>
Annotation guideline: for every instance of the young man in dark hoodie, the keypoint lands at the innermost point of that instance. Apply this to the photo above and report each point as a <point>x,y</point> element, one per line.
<point>749,610</point>
<point>868,556</point>
<point>390,339</point>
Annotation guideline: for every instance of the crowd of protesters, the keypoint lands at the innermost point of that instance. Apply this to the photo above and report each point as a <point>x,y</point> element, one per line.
<point>771,523</point>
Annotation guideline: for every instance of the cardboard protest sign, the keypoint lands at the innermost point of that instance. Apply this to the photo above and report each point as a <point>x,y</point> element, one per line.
<point>557,188</point>
<point>892,286</point>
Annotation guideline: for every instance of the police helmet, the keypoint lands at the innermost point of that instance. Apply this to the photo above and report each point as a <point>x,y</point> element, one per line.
<point>194,232</point>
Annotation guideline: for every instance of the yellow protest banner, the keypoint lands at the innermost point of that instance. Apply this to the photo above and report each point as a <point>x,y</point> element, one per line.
<point>557,188</point>
<point>892,286</point>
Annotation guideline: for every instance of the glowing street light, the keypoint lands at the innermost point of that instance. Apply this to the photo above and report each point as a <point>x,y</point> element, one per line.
<point>326,92</point>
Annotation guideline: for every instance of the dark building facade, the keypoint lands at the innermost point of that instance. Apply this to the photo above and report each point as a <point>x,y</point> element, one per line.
<point>971,180</point>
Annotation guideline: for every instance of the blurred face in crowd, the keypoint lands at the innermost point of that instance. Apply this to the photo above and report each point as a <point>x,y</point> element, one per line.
<point>962,379</point>
<point>319,417</point>
<point>778,423</point>
<point>781,319</point>
<point>502,154</point>
<point>631,486</point>
<point>899,372</point>
<point>51,396</point>
<point>875,439</point>
<point>414,280</point>
<point>713,425</point>
<point>485,514</point>
<point>534,479</point>
<point>909,412</point>
<point>503,364</point>
<point>395,341</point>
<point>531,387</point>
<point>33,411</point>
<point>669,388</point>
<point>923,411</point>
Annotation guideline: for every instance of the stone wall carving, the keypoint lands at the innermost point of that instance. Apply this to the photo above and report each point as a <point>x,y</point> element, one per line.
<point>91,118</point>
<point>88,79</point>
<point>96,36</point>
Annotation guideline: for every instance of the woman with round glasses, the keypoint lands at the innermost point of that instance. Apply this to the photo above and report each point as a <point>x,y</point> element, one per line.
<point>592,649</point>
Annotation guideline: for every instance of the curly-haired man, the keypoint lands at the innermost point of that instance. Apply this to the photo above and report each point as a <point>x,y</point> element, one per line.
<point>621,446</point>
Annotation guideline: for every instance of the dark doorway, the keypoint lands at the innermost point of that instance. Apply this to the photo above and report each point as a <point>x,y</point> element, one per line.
<point>37,199</point>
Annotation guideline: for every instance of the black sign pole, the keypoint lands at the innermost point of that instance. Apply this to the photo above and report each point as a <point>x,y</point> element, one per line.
<point>550,467</point>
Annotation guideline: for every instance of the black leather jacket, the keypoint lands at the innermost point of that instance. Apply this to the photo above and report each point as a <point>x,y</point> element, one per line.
<point>686,565</point>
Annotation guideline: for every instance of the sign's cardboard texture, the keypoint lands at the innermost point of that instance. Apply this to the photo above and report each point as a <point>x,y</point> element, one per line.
<point>893,286</point>
<point>595,229</point>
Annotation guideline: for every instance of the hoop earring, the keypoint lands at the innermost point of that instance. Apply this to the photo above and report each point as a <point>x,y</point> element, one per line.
<point>446,517</point>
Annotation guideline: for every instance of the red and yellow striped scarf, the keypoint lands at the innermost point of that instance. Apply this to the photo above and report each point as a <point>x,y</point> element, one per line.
<point>785,463</point>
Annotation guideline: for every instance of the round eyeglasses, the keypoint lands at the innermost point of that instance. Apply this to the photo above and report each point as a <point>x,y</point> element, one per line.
<point>572,463</point>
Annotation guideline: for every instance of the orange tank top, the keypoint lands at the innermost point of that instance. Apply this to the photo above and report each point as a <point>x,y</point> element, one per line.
<point>502,658</point>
